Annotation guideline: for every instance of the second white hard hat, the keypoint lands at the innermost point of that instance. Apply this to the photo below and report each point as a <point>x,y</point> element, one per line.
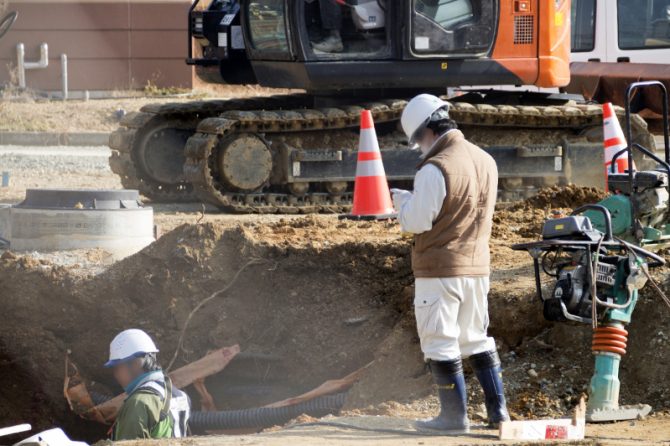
<point>128,344</point>
<point>418,112</point>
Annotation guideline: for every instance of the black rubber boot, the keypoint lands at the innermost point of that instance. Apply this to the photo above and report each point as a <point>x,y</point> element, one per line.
<point>453,417</point>
<point>489,373</point>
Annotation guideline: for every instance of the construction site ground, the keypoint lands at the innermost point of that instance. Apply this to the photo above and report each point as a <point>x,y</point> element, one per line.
<point>630,433</point>
<point>325,298</point>
<point>27,112</point>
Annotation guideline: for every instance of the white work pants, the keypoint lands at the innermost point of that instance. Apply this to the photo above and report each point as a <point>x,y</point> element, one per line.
<point>452,317</point>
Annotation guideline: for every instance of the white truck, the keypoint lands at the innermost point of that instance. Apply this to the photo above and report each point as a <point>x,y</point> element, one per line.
<point>617,42</point>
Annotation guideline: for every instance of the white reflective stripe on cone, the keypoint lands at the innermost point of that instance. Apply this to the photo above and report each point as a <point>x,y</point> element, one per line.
<point>613,150</point>
<point>370,169</point>
<point>368,141</point>
<point>613,133</point>
<point>610,129</point>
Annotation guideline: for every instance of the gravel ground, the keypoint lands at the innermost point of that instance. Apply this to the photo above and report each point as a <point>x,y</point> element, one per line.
<point>62,159</point>
<point>54,167</point>
<point>88,168</point>
<point>30,114</point>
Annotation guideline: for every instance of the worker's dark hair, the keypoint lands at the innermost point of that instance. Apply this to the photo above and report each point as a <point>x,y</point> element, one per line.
<point>442,126</point>
<point>440,122</point>
<point>150,363</point>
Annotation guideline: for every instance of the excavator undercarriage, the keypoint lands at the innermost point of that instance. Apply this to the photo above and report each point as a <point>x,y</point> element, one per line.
<point>278,155</point>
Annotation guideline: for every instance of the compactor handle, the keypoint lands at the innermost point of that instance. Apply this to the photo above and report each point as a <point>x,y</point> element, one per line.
<point>630,91</point>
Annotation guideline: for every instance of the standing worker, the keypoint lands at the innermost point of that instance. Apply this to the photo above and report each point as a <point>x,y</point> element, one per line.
<point>450,214</point>
<point>152,408</point>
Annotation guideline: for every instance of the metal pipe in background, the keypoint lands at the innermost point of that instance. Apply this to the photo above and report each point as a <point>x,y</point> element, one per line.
<point>22,65</point>
<point>20,58</point>
<point>63,69</point>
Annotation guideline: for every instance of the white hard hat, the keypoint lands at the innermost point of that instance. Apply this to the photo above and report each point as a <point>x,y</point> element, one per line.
<point>418,112</point>
<point>129,344</point>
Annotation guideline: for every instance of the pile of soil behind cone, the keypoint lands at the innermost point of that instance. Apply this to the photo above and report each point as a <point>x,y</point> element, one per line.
<point>569,196</point>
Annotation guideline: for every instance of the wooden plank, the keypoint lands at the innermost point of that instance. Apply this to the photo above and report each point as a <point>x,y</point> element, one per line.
<point>327,388</point>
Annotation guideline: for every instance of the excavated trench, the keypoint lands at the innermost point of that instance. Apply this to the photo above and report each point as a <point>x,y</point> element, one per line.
<point>328,298</point>
<point>303,316</point>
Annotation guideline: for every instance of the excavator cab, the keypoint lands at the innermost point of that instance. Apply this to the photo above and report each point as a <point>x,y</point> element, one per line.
<point>298,152</point>
<point>335,45</point>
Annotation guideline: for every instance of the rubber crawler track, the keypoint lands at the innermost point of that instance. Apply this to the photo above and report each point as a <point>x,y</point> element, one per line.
<point>278,116</point>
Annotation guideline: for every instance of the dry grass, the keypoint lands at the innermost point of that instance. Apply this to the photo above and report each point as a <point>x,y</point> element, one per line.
<point>31,114</point>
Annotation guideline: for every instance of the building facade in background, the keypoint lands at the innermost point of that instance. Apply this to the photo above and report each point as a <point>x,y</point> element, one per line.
<point>110,44</point>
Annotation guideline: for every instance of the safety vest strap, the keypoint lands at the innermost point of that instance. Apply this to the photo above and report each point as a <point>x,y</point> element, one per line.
<point>175,404</point>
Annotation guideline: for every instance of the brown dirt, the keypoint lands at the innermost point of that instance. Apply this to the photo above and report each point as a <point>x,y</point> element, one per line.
<point>348,290</point>
<point>570,196</point>
<point>331,297</point>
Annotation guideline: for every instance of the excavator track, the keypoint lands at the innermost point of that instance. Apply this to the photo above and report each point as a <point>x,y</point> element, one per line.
<point>476,120</point>
<point>200,168</point>
<point>205,127</point>
<point>130,141</point>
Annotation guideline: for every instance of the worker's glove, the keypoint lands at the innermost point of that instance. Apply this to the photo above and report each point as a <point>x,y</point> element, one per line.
<point>400,197</point>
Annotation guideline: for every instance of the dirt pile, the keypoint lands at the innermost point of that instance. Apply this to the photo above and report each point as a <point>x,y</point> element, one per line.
<point>569,196</point>
<point>525,219</point>
<point>329,297</point>
<point>313,310</point>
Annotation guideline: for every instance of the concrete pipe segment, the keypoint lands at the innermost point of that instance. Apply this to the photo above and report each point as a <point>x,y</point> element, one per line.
<point>60,220</point>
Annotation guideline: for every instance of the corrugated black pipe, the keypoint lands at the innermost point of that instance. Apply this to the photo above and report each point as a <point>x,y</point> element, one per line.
<point>264,417</point>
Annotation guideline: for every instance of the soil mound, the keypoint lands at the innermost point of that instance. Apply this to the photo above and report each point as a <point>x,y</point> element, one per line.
<point>328,298</point>
<point>569,196</point>
<point>314,309</point>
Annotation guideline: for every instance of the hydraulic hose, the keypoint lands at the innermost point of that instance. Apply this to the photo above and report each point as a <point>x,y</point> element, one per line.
<point>264,417</point>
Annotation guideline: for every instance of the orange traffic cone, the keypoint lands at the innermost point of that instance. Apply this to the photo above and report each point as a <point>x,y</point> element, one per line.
<point>615,142</point>
<point>372,197</point>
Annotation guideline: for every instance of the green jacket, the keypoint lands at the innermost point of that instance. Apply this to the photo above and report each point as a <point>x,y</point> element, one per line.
<point>139,418</point>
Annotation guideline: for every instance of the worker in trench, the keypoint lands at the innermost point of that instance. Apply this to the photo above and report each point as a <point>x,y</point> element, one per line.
<point>153,408</point>
<point>450,213</point>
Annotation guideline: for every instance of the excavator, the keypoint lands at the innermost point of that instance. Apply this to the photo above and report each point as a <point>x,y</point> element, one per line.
<point>296,153</point>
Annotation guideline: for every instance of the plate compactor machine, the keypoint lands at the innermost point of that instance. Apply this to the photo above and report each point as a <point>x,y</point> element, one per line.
<point>596,265</point>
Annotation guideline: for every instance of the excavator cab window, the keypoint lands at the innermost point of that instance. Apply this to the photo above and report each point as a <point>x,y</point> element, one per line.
<point>267,26</point>
<point>644,24</point>
<point>346,28</point>
<point>452,27</point>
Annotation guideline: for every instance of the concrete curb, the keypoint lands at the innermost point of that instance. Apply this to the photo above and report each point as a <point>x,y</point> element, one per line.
<point>53,139</point>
